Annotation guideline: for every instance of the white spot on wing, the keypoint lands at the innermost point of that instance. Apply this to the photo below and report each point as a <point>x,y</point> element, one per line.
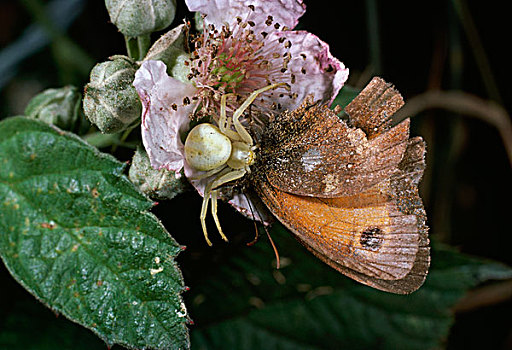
<point>310,159</point>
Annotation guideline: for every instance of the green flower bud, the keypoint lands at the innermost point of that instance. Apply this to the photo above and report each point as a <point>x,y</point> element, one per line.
<point>111,102</point>
<point>60,107</point>
<point>157,184</point>
<point>170,49</point>
<point>134,18</point>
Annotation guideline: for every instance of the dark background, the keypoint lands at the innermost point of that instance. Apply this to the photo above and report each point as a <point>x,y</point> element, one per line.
<point>418,46</point>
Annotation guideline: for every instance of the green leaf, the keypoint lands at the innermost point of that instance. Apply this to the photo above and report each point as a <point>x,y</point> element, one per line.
<point>246,304</point>
<point>78,235</point>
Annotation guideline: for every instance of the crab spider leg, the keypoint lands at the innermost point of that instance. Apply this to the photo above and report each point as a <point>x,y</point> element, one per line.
<point>204,206</point>
<point>208,173</point>
<point>223,118</point>
<point>221,179</point>
<point>214,214</point>
<point>224,125</point>
<point>225,178</point>
<point>246,137</point>
<point>202,216</point>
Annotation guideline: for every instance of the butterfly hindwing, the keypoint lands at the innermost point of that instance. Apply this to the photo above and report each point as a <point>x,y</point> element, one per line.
<point>377,237</point>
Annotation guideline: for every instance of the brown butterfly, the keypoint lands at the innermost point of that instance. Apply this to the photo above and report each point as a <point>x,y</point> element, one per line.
<point>348,190</point>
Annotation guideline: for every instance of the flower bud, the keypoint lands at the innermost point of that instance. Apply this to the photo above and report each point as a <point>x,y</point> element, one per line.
<point>157,184</point>
<point>111,102</point>
<point>60,107</point>
<point>170,49</point>
<point>134,18</point>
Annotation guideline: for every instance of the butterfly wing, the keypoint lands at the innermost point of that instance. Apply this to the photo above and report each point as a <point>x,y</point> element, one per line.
<point>378,237</point>
<point>310,151</point>
<point>371,110</point>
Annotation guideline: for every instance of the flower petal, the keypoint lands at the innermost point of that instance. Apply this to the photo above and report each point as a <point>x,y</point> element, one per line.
<point>315,70</point>
<point>161,124</point>
<point>219,12</point>
<point>251,208</point>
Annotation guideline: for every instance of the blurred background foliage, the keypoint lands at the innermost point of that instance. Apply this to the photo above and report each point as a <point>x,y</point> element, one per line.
<point>447,57</point>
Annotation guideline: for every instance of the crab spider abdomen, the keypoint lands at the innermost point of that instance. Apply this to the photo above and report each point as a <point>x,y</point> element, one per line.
<point>207,148</point>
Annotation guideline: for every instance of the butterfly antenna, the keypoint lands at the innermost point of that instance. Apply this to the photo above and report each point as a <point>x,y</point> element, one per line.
<point>278,264</point>
<point>276,253</point>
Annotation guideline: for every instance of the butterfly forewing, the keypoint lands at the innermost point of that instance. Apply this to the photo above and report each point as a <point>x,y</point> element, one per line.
<point>372,109</point>
<point>325,157</point>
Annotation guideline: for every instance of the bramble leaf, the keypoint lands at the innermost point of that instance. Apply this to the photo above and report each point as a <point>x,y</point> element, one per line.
<point>78,236</point>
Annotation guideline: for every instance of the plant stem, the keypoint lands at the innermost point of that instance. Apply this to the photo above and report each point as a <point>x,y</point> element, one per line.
<point>132,47</point>
<point>144,42</point>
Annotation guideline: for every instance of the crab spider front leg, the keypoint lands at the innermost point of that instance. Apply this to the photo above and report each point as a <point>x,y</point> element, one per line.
<point>224,125</point>
<point>246,137</point>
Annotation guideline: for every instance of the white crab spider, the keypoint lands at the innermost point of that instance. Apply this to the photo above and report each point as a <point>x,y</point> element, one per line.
<point>223,151</point>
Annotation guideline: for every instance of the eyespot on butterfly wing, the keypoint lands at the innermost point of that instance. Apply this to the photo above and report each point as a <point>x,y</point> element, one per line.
<point>349,190</point>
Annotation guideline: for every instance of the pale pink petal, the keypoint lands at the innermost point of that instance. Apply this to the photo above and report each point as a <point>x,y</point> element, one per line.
<point>254,210</point>
<point>314,69</point>
<point>219,12</point>
<point>161,124</point>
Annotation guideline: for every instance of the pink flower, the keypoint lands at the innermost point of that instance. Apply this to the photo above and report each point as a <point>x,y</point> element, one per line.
<point>245,45</point>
